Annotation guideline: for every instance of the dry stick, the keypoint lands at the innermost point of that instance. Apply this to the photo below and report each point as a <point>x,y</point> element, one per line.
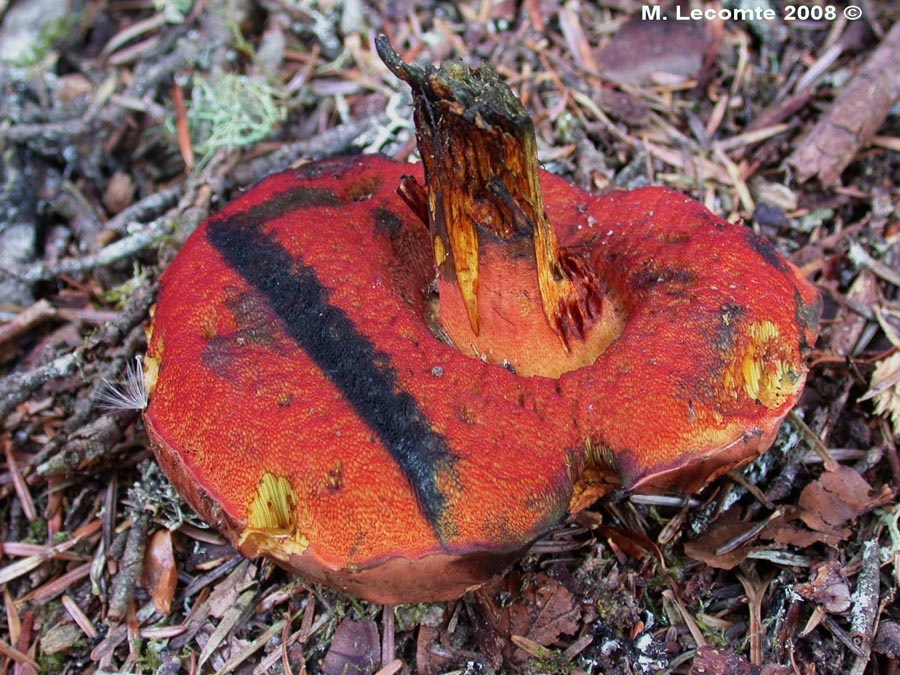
<point>864,604</point>
<point>334,141</point>
<point>689,621</point>
<point>27,319</point>
<point>151,206</point>
<point>18,387</point>
<point>148,76</point>
<point>87,446</point>
<point>842,636</point>
<point>47,131</point>
<point>862,258</point>
<point>238,659</point>
<point>155,232</point>
<point>388,647</point>
<point>234,617</point>
<point>391,668</point>
<point>737,477</point>
<point>747,536</point>
<point>128,326</point>
<point>117,635</point>
<point>130,567</point>
<point>17,656</point>
<point>19,484</point>
<point>854,117</point>
<point>812,437</point>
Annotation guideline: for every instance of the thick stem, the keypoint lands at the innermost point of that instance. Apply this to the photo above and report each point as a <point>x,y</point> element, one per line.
<point>485,206</point>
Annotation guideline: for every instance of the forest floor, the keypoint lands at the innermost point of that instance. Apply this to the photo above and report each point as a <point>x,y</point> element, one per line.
<point>125,123</point>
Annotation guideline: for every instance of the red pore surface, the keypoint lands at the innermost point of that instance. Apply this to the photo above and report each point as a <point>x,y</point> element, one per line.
<point>303,405</point>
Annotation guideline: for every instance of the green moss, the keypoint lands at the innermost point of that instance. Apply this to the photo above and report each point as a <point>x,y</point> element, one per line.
<point>550,662</point>
<point>61,537</point>
<point>39,531</point>
<point>233,111</point>
<point>53,32</point>
<point>175,11</point>
<point>52,663</point>
<point>119,296</point>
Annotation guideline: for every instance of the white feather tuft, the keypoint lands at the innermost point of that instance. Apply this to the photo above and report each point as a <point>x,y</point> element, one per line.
<point>127,393</point>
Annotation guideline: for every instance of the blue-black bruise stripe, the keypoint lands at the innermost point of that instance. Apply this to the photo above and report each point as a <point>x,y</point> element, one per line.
<point>348,358</point>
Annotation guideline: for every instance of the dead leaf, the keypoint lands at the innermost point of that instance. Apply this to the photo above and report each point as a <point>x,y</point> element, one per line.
<point>160,574</point>
<point>648,52</point>
<point>119,194</point>
<point>226,592</point>
<point>725,529</point>
<point>715,661</point>
<point>629,542</point>
<point>355,649</point>
<point>887,639</point>
<point>542,610</point>
<point>789,534</point>
<point>838,497</point>
<point>430,661</point>
<point>548,612</point>
<point>828,588</point>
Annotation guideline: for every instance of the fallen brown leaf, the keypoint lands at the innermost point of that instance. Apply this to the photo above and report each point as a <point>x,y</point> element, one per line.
<point>827,588</point>
<point>648,52</point>
<point>838,497</point>
<point>725,529</point>
<point>355,649</point>
<point>160,574</point>
<point>715,661</point>
<point>541,610</point>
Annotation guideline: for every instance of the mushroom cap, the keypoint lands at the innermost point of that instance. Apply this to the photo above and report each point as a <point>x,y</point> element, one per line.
<point>301,404</point>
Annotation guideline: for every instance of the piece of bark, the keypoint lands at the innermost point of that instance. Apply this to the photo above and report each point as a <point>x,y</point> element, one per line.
<point>853,119</point>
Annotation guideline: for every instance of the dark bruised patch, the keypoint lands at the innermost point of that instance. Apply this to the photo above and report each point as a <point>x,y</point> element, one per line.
<point>387,223</point>
<point>299,197</point>
<point>412,263</point>
<point>673,238</point>
<point>363,187</point>
<point>254,321</point>
<point>727,328</point>
<point>334,480</point>
<point>766,250</point>
<point>515,246</point>
<point>336,166</point>
<point>356,188</point>
<point>649,278</point>
<point>364,376</point>
<point>251,313</point>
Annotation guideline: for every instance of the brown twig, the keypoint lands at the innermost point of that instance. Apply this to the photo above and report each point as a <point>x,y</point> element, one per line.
<point>755,591</point>
<point>855,116</point>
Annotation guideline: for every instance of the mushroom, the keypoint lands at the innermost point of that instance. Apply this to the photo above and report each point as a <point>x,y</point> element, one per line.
<point>392,378</point>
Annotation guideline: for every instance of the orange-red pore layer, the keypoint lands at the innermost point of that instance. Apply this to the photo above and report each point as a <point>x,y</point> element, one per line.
<point>301,403</point>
